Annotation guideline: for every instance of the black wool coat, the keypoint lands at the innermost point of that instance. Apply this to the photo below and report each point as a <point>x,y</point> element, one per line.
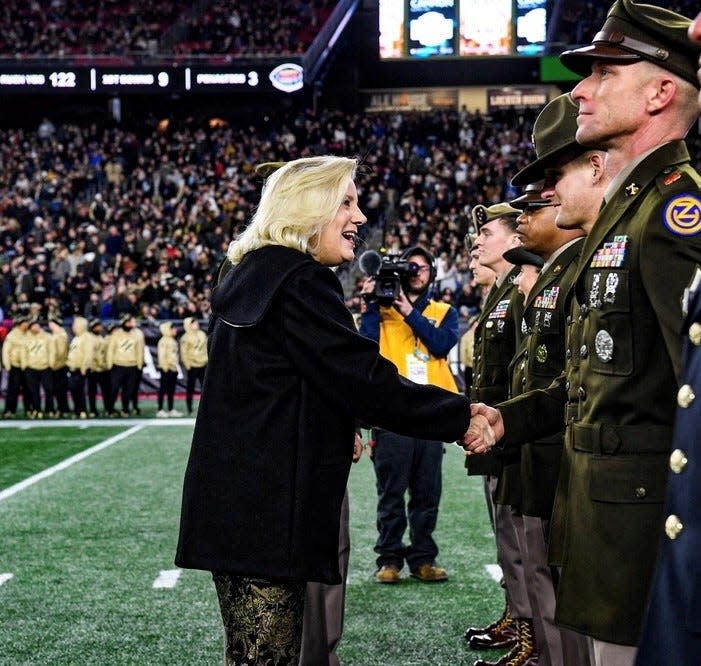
<point>287,378</point>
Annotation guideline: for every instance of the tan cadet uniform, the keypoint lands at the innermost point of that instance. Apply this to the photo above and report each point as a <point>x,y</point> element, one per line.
<point>59,337</point>
<point>496,339</point>
<point>625,341</point>
<point>193,355</point>
<point>80,356</point>
<point>99,372</point>
<point>140,341</point>
<point>12,349</point>
<point>167,350</point>
<point>38,357</point>
<point>125,357</point>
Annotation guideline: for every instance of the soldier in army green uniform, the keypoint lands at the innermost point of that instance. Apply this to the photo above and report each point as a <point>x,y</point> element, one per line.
<point>496,336</point>
<point>672,628</point>
<point>637,102</point>
<point>541,359</point>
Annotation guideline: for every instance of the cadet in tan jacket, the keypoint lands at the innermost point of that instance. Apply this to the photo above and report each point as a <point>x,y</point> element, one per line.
<point>79,361</point>
<point>38,359</point>
<point>168,367</point>
<point>125,358</point>
<point>59,338</point>
<point>193,355</point>
<point>99,374</point>
<point>12,362</point>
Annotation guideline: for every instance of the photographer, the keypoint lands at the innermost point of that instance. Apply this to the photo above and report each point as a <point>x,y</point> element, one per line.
<point>416,333</point>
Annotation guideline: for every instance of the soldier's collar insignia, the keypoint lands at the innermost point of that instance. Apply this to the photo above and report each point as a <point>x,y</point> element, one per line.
<point>632,190</point>
<point>682,215</point>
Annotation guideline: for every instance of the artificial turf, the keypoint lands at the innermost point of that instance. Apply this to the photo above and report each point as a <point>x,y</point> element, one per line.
<point>85,546</point>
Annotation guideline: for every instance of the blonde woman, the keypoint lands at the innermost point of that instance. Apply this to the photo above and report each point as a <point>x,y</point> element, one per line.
<point>288,376</point>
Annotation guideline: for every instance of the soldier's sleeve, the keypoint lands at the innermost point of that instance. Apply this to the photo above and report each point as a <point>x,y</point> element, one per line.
<point>669,253</point>
<point>534,414</point>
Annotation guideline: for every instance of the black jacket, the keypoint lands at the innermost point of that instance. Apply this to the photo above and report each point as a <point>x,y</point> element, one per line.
<point>287,378</point>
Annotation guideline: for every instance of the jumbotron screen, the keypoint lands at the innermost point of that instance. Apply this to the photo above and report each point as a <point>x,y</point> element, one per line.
<point>416,29</point>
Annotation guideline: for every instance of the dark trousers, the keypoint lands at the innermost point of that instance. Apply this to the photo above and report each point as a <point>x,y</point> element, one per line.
<point>100,380</point>
<point>166,389</point>
<point>37,380</point>
<point>76,384</point>
<point>401,464</point>
<point>16,384</point>
<point>194,375</point>
<point>262,620</point>
<point>60,380</point>
<point>122,382</point>
<point>136,385</point>
<point>324,607</point>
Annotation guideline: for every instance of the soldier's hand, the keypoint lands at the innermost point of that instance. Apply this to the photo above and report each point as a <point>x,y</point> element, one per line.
<point>486,428</point>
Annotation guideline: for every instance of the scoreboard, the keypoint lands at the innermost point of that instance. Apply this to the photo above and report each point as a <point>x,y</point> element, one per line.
<point>285,78</point>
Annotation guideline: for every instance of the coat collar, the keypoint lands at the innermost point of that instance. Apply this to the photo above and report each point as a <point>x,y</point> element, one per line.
<point>634,187</point>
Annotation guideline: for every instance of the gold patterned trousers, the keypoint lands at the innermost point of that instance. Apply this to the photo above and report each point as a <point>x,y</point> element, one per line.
<point>262,620</point>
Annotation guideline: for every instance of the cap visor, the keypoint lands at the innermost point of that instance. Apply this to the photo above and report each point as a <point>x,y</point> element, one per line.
<point>579,60</point>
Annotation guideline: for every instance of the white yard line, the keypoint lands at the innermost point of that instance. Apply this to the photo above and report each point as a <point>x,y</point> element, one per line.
<point>494,570</point>
<point>4,577</point>
<point>50,471</point>
<point>167,579</point>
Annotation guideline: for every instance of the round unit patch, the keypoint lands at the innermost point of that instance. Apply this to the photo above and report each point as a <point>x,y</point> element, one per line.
<point>682,215</point>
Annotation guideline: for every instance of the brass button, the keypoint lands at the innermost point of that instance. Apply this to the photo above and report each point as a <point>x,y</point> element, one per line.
<point>583,351</point>
<point>489,324</point>
<point>685,396</point>
<point>640,492</point>
<point>677,461</point>
<point>568,354</point>
<point>582,393</point>
<point>695,333</point>
<point>673,526</point>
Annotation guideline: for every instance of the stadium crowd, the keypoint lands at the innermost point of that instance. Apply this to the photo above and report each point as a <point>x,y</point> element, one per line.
<point>117,28</point>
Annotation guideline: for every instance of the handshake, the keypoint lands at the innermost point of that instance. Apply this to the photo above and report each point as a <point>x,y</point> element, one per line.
<point>486,429</point>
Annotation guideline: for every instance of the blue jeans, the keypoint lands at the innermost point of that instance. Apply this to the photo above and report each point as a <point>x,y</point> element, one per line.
<point>401,464</point>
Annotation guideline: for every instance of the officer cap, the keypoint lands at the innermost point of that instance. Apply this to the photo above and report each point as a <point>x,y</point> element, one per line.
<point>264,169</point>
<point>124,318</point>
<point>531,197</point>
<point>111,326</point>
<point>554,141</point>
<point>94,323</point>
<point>481,215</point>
<point>20,319</point>
<point>520,256</point>
<point>34,319</point>
<point>634,32</point>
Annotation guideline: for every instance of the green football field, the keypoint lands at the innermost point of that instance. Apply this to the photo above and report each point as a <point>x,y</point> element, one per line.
<point>88,526</point>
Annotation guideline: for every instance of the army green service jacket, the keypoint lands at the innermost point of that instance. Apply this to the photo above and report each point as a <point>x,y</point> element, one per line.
<point>496,338</point>
<point>620,394</point>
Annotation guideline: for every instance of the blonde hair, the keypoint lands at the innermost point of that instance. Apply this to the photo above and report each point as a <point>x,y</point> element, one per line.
<point>298,200</point>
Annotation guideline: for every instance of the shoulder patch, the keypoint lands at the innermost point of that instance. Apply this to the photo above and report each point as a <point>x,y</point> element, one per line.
<point>682,214</point>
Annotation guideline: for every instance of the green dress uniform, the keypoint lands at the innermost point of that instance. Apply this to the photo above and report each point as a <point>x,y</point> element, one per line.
<point>620,395</point>
<point>540,360</point>
<point>496,335</point>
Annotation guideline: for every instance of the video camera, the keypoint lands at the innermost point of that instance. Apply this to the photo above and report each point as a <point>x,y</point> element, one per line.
<point>388,270</point>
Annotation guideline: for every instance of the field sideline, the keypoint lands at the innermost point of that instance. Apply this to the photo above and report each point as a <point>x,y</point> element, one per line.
<point>88,525</point>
